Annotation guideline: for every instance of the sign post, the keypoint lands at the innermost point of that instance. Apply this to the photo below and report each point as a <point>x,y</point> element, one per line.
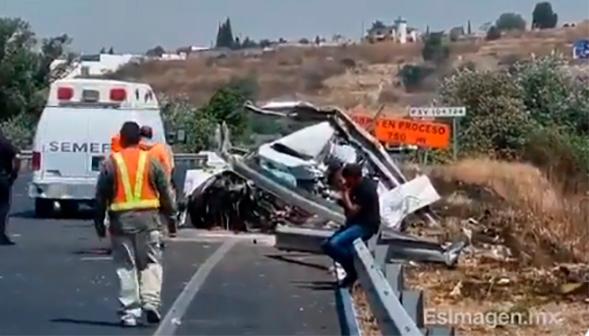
<point>442,112</point>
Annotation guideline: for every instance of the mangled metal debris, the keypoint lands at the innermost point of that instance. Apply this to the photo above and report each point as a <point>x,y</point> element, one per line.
<point>286,182</point>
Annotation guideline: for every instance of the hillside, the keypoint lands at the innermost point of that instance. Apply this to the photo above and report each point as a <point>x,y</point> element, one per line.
<point>346,76</point>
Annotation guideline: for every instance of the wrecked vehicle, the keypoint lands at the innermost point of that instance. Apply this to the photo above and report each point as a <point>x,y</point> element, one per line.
<point>287,181</point>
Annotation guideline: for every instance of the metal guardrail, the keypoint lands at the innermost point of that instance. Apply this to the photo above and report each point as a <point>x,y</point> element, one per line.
<point>386,307</point>
<point>398,311</point>
<point>28,154</point>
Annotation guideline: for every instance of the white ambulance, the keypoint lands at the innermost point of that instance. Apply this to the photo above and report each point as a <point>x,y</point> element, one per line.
<point>74,135</point>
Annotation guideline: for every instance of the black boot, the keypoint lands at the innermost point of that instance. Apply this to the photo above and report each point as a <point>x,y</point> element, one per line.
<point>4,240</point>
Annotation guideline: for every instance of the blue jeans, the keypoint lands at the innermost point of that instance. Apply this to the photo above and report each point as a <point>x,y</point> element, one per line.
<point>340,246</point>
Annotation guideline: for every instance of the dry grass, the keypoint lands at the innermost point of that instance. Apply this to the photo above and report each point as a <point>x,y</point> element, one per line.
<point>543,224</point>
<point>366,320</point>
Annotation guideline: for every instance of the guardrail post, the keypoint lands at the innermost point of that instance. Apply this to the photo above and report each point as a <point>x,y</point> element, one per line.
<point>386,307</point>
<point>413,304</point>
<point>395,275</point>
<point>381,252</point>
<point>441,331</point>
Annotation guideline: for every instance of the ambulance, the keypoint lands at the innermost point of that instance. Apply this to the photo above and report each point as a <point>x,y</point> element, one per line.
<point>74,135</point>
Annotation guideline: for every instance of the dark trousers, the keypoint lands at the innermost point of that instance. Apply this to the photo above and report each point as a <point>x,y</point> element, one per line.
<point>5,187</point>
<point>340,246</point>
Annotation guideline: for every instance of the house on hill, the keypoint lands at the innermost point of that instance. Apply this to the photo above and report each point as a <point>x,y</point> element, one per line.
<point>398,32</point>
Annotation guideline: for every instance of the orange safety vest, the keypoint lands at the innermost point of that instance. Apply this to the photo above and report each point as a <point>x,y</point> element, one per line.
<point>161,153</point>
<point>133,165</point>
<point>115,144</point>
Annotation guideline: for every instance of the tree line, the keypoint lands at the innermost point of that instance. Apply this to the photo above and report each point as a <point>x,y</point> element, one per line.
<point>25,74</point>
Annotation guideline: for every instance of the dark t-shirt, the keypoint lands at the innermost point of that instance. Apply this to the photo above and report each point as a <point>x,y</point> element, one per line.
<point>365,195</point>
<point>7,154</point>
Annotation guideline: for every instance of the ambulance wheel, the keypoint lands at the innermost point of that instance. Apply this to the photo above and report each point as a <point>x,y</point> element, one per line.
<point>43,207</point>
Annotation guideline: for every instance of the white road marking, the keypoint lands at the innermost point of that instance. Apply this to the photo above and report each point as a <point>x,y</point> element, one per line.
<point>170,322</point>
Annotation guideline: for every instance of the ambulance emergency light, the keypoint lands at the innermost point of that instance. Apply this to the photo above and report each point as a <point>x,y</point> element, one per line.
<point>101,93</point>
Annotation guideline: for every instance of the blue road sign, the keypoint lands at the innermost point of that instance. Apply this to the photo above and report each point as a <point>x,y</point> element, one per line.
<point>581,49</point>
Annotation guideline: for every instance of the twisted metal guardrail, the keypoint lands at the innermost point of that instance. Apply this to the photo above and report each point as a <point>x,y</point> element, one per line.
<point>397,310</point>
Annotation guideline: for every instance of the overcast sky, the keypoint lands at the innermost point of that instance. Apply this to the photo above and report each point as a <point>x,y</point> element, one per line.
<point>137,25</point>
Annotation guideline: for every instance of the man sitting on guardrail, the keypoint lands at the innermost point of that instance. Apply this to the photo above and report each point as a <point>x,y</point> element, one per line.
<point>359,197</point>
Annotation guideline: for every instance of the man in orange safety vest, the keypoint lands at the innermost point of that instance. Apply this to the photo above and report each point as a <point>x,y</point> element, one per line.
<point>164,155</point>
<point>135,190</point>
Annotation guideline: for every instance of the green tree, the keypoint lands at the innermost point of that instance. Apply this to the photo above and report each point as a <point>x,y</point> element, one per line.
<point>111,51</point>
<point>179,113</point>
<point>377,25</point>
<point>19,66</point>
<point>225,37</point>
<point>155,52</point>
<point>493,34</point>
<point>435,48</point>
<point>509,111</point>
<point>496,121</point>
<point>249,43</point>
<point>510,21</point>
<point>24,75</point>
<point>412,76</point>
<point>265,43</point>
<point>543,16</point>
<point>51,49</point>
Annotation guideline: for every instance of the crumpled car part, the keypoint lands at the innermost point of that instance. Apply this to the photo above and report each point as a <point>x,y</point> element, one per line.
<point>290,175</point>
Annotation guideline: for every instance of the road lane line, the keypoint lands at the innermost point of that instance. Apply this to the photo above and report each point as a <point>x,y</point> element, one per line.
<point>169,324</point>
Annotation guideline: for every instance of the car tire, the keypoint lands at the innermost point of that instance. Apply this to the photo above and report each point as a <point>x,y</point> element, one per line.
<point>43,207</point>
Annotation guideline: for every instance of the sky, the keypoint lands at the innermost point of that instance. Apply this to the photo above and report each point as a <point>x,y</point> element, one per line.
<point>137,25</point>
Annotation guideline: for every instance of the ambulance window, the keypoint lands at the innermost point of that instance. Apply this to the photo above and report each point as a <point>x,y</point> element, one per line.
<point>96,162</point>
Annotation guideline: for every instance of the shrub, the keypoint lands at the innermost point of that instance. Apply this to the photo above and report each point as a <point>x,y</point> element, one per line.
<point>510,21</point>
<point>435,48</point>
<point>536,111</point>
<point>412,76</point>
<point>493,34</point>
<point>20,130</point>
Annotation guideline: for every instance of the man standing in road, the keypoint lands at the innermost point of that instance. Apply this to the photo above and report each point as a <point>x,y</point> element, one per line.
<point>362,210</point>
<point>9,167</point>
<point>134,188</point>
<point>163,154</point>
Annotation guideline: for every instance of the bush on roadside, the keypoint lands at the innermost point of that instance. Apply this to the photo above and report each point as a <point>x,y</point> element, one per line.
<point>20,130</point>
<point>412,76</point>
<point>535,111</point>
<point>435,48</point>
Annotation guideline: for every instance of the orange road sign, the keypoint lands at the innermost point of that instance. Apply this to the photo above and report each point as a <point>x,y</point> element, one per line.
<point>408,132</point>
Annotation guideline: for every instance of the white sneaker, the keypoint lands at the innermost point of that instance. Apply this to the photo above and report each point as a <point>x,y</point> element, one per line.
<point>129,321</point>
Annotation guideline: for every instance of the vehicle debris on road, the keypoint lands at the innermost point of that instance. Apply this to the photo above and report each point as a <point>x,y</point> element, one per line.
<point>286,182</point>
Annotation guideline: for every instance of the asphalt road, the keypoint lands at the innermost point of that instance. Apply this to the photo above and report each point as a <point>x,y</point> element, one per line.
<point>58,281</point>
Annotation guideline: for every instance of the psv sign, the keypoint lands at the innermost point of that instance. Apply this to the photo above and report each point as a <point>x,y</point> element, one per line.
<point>408,132</point>
<point>437,112</point>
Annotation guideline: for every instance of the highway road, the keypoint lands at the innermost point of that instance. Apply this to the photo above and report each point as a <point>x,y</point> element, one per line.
<point>57,280</point>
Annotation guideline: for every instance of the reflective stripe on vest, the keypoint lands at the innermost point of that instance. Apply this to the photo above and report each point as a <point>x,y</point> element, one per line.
<point>133,199</point>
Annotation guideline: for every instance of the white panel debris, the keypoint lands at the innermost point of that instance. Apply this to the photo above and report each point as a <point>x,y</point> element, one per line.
<point>405,199</point>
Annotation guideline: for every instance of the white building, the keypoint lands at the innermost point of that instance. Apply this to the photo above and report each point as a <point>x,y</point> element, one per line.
<point>398,32</point>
